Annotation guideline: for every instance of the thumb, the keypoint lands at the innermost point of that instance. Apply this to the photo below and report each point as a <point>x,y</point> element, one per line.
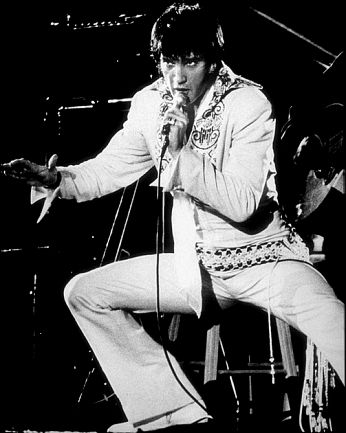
<point>52,161</point>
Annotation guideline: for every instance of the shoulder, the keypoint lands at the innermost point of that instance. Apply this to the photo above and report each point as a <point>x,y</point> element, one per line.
<point>250,98</point>
<point>240,91</point>
<point>148,94</point>
<point>145,106</point>
<point>248,103</point>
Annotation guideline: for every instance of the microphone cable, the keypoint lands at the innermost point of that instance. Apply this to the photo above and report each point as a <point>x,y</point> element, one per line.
<point>158,312</point>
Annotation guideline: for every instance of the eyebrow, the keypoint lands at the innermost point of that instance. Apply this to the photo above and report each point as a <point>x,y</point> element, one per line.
<point>193,57</point>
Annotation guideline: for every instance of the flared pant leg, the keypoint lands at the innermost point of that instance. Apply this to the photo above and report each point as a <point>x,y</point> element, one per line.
<point>297,293</point>
<point>101,301</point>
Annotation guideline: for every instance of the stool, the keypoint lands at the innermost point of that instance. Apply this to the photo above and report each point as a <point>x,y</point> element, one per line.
<point>214,342</point>
<point>211,370</point>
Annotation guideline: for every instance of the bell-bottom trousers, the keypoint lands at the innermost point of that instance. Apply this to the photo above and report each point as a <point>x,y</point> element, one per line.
<point>102,302</point>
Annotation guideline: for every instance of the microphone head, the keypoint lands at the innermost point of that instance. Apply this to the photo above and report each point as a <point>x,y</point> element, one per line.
<point>180,100</point>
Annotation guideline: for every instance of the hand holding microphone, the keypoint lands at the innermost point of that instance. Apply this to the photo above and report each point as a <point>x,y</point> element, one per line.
<point>175,123</point>
<point>180,101</point>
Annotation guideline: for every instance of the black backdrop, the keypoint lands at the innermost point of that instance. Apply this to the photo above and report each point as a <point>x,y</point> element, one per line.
<point>61,55</point>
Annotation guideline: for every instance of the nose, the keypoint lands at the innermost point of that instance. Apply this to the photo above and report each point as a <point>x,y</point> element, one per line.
<point>180,73</point>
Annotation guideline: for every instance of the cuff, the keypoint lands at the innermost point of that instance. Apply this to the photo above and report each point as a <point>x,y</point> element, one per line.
<point>39,193</point>
<point>166,175</point>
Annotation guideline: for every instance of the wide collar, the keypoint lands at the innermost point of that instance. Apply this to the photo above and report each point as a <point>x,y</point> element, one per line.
<point>225,81</point>
<point>209,113</point>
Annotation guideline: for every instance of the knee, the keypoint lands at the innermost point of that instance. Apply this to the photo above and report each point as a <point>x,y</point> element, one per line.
<point>332,314</point>
<point>76,292</point>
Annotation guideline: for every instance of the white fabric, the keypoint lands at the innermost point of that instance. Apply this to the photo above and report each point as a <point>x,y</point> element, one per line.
<point>224,196</point>
<point>135,365</point>
<point>234,175</point>
<point>49,195</point>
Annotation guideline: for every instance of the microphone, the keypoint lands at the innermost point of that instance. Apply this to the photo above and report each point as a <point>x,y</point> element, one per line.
<point>180,100</point>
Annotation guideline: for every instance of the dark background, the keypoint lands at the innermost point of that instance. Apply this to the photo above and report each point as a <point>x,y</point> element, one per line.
<point>56,59</point>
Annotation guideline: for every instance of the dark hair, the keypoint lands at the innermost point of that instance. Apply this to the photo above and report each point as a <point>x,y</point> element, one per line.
<point>184,29</point>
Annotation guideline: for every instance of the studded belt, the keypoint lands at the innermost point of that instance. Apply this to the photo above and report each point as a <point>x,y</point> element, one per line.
<point>227,259</point>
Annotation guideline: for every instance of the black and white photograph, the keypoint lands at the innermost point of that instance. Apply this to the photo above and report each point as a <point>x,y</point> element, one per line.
<point>172,235</point>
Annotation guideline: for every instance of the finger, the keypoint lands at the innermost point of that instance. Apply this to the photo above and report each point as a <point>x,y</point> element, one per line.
<point>52,161</point>
<point>18,176</point>
<point>17,163</point>
<point>8,170</point>
<point>5,167</point>
<point>175,112</point>
<point>180,124</point>
<point>20,165</point>
<point>179,121</point>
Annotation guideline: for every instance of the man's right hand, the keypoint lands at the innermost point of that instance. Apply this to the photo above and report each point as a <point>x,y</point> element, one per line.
<point>31,173</point>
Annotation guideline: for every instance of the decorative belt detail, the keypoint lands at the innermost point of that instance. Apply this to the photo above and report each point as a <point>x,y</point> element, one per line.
<point>227,259</point>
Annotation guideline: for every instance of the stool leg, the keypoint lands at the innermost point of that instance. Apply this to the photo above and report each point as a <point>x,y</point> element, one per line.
<point>174,327</point>
<point>286,348</point>
<point>211,354</point>
<point>292,394</point>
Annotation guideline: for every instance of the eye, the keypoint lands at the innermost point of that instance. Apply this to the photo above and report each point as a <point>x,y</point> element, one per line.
<point>192,61</point>
<point>168,61</point>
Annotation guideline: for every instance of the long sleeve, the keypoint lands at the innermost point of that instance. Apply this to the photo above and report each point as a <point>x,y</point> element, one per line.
<point>123,160</point>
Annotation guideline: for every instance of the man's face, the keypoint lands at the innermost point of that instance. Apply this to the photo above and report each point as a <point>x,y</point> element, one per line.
<point>186,75</point>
